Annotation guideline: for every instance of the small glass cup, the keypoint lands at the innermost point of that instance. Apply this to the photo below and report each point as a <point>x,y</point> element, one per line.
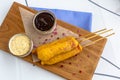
<point>19,41</point>
<point>44,22</point>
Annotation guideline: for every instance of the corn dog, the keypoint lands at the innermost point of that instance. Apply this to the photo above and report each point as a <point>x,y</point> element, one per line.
<point>58,50</point>
<point>63,56</point>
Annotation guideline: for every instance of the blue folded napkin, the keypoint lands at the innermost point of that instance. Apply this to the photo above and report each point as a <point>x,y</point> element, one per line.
<point>79,19</point>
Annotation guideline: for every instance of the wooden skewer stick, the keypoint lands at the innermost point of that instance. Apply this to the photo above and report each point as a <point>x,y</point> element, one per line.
<point>96,35</point>
<point>98,40</point>
<point>95,32</point>
<point>99,30</point>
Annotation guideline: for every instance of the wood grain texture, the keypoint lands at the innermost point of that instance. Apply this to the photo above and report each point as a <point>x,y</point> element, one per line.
<point>79,67</point>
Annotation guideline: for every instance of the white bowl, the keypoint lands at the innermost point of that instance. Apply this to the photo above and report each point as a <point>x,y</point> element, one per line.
<point>47,31</point>
<point>13,45</point>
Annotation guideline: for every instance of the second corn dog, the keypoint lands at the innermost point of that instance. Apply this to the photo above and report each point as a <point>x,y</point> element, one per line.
<point>63,56</point>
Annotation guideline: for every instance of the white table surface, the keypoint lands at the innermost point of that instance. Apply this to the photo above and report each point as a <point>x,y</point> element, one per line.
<point>12,68</point>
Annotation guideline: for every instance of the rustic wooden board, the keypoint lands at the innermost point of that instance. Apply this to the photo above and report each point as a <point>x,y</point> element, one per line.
<point>79,67</point>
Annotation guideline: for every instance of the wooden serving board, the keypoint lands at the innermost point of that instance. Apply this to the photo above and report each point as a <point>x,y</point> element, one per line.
<point>79,67</point>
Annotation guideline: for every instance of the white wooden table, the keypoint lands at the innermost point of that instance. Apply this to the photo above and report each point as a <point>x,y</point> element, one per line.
<point>12,68</point>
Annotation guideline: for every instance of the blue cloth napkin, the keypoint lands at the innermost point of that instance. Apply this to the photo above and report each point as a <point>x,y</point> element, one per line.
<point>79,19</point>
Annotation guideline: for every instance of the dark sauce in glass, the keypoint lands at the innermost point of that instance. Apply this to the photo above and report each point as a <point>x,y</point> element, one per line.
<point>44,21</point>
